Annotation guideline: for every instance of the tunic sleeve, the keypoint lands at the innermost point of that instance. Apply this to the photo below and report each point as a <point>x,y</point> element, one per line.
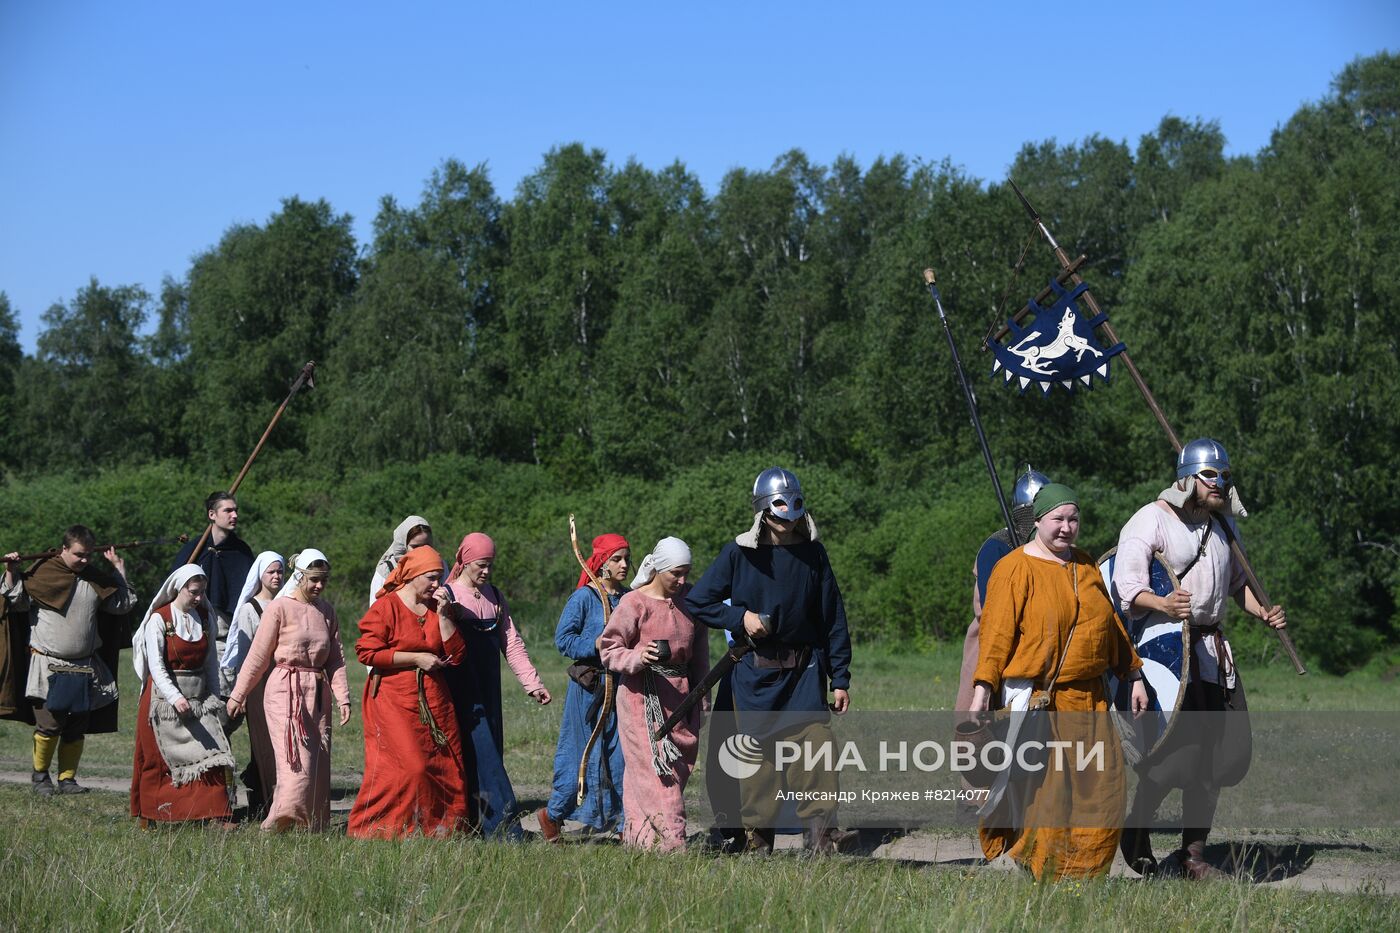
<point>211,654</point>
<point>618,647</point>
<point>262,650</point>
<point>156,664</point>
<point>1132,567</point>
<point>454,649</point>
<point>375,646</point>
<point>335,662</point>
<point>1006,598</point>
<point>838,635</point>
<point>699,655</point>
<point>706,599</point>
<point>513,647</point>
<point>568,635</point>
<point>123,600</point>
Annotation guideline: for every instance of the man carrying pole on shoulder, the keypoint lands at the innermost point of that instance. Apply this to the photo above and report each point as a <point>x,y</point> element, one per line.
<point>225,559</point>
<point>1186,527</point>
<point>67,678</point>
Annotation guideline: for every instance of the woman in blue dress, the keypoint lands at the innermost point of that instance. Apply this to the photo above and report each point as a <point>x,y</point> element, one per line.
<point>580,624</point>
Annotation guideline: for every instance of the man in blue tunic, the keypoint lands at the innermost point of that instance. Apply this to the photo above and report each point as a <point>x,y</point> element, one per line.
<point>226,559</point>
<point>774,584</point>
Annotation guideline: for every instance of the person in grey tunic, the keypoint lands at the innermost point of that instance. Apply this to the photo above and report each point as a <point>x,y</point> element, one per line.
<point>67,678</point>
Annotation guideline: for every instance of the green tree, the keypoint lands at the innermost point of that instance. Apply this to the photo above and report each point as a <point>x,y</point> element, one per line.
<point>79,396</point>
<point>259,306</point>
<point>413,361</point>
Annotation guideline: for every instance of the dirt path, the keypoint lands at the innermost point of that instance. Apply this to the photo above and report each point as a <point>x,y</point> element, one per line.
<point>1301,863</point>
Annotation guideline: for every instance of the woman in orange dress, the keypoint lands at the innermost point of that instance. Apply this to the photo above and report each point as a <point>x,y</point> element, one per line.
<point>414,779</point>
<point>183,763</point>
<point>1048,620</point>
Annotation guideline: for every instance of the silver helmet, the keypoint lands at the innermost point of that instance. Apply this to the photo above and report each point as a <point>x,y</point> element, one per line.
<point>1027,485</point>
<point>778,491</point>
<point>1204,454</point>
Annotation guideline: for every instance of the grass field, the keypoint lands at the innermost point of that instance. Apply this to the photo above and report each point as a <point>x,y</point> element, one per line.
<point>80,863</point>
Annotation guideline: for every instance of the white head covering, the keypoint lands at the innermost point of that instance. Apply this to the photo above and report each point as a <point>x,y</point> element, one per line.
<point>399,547</point>
<point>668,553</point>
<point>252,584</point>
<point>302,563</point>
<point>187,626</point>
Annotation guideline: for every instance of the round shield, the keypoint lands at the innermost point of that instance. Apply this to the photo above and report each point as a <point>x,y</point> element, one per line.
<point>1166,664</point>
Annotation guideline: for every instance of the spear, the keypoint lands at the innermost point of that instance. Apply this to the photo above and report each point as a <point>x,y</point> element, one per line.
<point>971,406</point>
<point>307,378</point>
<point>1071,267</point>
<point>103,548</point>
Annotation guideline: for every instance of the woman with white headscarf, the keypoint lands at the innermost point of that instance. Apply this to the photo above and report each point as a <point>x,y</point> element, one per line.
<point>259,589</point>
<point>182,765</point>
<point>412,532</point>
<point>659,653</point>
<point>299,639</point>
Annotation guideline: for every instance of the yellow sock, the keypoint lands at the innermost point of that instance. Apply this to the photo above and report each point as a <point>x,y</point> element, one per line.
<point>44,746</point>
<point>68,755</point>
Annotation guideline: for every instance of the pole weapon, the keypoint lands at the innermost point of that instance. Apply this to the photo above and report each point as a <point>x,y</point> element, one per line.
<point>971,400</point>
<point>54,551</point>
<point>609,682</point>
<point>1236,550</point>
<point>307,377</point>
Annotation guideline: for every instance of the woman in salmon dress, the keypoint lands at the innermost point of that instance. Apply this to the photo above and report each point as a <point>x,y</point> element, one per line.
<point>297,645</point>
<point>658,652</point>
<point>414,780</point>
<point>182,764</point>
<point>482,615</point>
<point>1049,619</point>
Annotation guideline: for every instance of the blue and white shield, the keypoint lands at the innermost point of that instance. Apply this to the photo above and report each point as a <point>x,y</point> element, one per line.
<point>1058,345</point>
<point>1166,665</point>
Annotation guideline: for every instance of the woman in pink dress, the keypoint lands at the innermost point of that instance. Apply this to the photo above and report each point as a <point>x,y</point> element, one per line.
<point>483,618</point>
<point>659,652</point>
<point>298,637</point>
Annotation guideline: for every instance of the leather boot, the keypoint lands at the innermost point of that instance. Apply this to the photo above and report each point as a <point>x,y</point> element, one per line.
<point>1136,846</point>
<point>42,784</point>
<point>759,842</point>
<point>549,829</point>
<point>820,838</point>
<point>1195,866</point>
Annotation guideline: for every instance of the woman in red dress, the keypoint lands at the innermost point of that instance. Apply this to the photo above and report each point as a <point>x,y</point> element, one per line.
<point>182,764</point>
<point>414,779</point>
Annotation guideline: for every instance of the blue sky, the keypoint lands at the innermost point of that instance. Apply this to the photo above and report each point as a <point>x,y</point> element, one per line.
<point>133,134</point>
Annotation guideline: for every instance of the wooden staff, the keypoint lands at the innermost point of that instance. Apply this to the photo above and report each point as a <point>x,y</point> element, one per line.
<point>608,685</point>
<point>1070,266</point>
<point>307,378</point>
<point>102,548</point>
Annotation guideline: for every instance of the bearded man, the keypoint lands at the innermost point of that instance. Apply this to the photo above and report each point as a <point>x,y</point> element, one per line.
<point>1185,527</point>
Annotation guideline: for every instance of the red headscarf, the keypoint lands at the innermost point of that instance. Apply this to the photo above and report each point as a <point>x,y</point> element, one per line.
<point>475,546</point>
<point>415,563</point>
<point>604,546</point>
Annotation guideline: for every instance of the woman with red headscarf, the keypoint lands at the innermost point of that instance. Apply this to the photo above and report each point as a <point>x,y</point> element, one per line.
<point>576,637</point>
<point>483,618</point>
<point>413,754</point>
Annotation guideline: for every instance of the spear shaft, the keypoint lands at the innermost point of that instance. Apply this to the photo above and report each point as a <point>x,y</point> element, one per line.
<point>305,378</point>
<point>972,407</point>
<point>1251,578</point>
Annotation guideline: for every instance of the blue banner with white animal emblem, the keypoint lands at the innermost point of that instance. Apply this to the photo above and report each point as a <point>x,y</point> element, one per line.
<point>1056,346</point>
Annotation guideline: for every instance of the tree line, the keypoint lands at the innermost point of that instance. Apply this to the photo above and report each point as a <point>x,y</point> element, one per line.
<point>620,322</point>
